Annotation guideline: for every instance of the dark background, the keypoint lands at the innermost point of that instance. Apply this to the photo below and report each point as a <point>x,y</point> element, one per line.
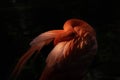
<point>23,20</point>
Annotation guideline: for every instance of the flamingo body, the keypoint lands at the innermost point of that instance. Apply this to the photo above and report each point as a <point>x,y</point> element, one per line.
<point>74,49</point>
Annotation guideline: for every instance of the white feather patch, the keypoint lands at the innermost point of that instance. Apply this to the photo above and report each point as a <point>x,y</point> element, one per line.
<point>57,54</point>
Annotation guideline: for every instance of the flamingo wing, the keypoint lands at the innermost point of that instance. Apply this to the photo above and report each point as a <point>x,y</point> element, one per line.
<point>36,45</point>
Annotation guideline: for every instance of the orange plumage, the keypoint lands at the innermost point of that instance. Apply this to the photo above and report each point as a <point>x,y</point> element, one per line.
<point>74,49</point>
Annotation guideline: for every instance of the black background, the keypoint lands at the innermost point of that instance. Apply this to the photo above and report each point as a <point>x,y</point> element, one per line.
<point>21,21</point>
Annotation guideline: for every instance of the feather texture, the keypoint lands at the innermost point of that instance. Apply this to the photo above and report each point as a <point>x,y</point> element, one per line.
<point>75,47</point>
<point>36,45</point>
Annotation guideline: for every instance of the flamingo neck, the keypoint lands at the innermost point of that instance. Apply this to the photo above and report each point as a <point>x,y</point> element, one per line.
<point>65,36</point>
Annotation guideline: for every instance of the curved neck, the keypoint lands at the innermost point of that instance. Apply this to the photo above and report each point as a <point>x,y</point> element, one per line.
<point>70,24</point>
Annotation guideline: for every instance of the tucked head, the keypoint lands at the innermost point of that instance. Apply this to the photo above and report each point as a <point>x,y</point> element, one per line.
<point>73,28</point>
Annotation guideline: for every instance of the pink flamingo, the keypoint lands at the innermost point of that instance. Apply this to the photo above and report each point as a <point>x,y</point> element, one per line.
<point>74,49</point>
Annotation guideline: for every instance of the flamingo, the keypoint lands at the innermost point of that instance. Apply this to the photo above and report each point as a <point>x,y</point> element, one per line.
<point>74,49</point>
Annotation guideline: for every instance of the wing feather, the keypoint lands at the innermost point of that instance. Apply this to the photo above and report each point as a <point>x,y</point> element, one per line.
<point>54,58</point>
<point>56,54</point>
<point>36,45</point>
